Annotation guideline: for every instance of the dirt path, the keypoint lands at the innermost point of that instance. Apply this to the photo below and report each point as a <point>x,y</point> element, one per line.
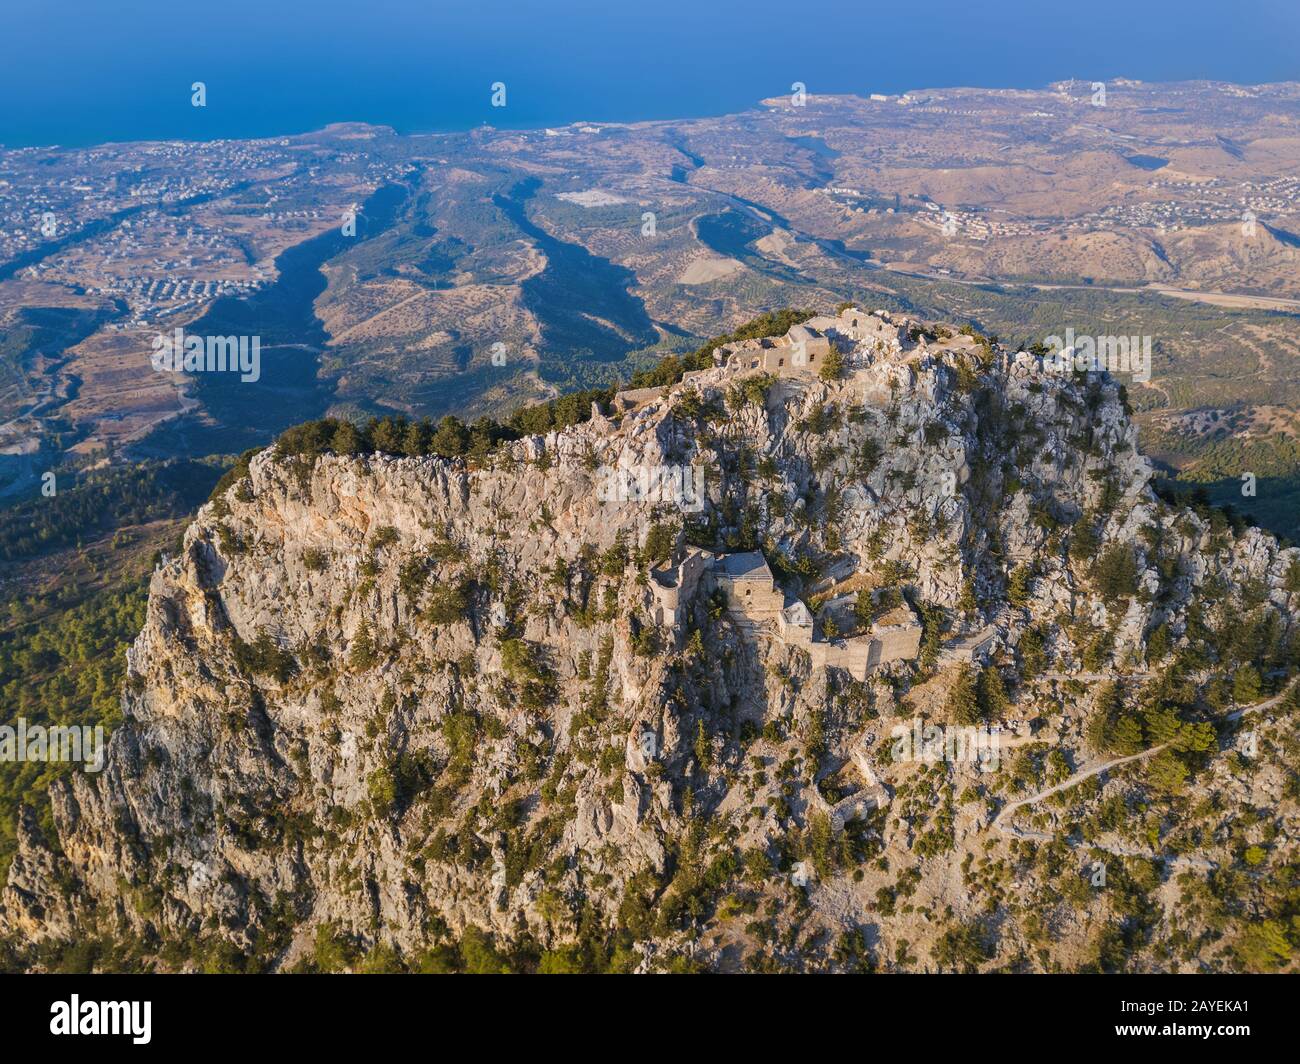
<point>1083,774</point>
<point>1002,823</point>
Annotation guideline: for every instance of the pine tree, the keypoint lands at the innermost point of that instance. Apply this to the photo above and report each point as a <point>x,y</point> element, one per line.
<point>1126,737</point>
<point>966,602</point>
<point>1018,586</point>
<point>993,700</point>
<point>1246,685</point>
<point>450,439</point>
<point>363,653</point>
<point>702,746</point>
<point>963,702</point>
<point>833,366</point>
<point>1158,644</point>
<point>1167,773</point>
<point>415,441</point>
<point>1162,725</point>
<point>346,439</point>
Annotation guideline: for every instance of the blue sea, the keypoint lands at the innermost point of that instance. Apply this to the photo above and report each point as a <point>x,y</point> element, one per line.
<point>78,72</point>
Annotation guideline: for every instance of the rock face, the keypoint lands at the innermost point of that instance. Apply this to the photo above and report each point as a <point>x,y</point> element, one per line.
<point>400,697</point>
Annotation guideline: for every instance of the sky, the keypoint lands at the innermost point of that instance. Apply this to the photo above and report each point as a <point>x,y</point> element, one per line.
<point>77,72</point>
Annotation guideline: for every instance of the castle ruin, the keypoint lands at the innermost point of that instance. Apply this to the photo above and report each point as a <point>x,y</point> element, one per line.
<point>803,349</point>
<point>759,607</point>
<point>859,336</point>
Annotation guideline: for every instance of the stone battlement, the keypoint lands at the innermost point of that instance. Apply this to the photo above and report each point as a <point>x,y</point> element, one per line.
<point>803,349</point>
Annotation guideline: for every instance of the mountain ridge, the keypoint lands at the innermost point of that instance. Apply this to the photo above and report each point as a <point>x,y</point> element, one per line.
<point>391,711</point>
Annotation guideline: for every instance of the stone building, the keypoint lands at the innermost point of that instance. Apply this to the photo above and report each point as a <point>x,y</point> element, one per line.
<point>634,397</point>
<point>896,639</point>
<point>795,622</point>
<point>974,648</point>
<point>758,606</point>
<point>876,331</point>
<point>801,350</point>
<point>874,794</point>
<point>751,591</point>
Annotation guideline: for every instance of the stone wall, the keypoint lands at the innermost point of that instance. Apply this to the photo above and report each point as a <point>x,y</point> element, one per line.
<point>752,600</point>
<point>634,397</point>
<point>900,643</point>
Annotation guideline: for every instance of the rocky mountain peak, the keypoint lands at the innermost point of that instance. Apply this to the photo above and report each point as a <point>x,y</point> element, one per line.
<point>381,703</point>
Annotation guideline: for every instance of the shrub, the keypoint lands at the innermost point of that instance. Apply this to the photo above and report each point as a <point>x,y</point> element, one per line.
<point>265,657</point>
<point>447,604</point>
<point>1264,947</point>
<point>962,948</point>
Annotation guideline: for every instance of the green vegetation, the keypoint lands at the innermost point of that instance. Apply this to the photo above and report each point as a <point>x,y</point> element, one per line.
<point>65,627</point>
<point>99,503</point>
<point>707,876</point>
<point>265,657</point>
<point>832,365</point>
<point>976,695</point>
<point>65,667</point>
<point>961,948</point>
<point>1116,573</point>
<point>452,438</point>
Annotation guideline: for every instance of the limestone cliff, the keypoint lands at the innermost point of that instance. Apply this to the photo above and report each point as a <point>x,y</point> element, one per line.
<point>381,700</point>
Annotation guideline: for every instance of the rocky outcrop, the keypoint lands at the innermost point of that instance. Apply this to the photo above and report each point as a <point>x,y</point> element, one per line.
<point>399,697</point>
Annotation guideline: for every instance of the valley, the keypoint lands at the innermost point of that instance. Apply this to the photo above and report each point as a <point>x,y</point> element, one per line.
<point>584,253</point>
<point>396,683</point>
